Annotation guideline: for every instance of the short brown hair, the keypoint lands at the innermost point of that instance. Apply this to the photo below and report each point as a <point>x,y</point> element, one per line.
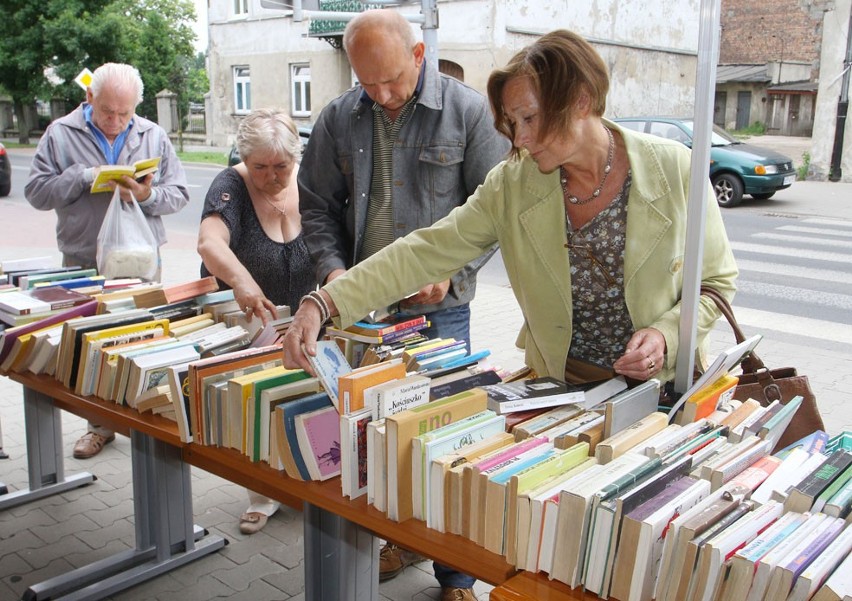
<point>561,67</point>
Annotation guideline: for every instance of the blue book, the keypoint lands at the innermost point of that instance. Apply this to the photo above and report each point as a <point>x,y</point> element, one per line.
<point>290,410</point>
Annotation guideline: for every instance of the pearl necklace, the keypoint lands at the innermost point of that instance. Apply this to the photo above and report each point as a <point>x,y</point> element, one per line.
<point>607,168</point>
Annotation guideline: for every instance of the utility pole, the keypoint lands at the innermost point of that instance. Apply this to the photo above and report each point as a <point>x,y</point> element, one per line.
<point>842,109</point>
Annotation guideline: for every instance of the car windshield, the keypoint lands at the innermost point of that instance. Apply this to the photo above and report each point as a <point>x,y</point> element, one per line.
<point>719,137</point>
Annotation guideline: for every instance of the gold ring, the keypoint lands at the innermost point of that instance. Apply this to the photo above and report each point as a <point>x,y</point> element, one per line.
<point>651,364</point>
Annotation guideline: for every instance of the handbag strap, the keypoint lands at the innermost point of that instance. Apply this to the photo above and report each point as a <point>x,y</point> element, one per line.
<point>752,363</point>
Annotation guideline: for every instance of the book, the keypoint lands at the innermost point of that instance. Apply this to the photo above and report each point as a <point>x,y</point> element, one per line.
<point>25,263</point>
<point>755,457</point>
<point>560,462</point>
<point>176,292</point>
<point>25,282</point>
<point>446,494</point>
<point>351,385</point>
<point>803,495</point>
<point>631,405</point>
<point>794,563</point>
<point>774,428</point>
<point>401,429</point>
<point>713,554</point>
<point>151,399</point>
<point>574,512</point>
<point>388,325</point>
<point>566,434</point>
<point>528,394</point>
<point>705,401</point>
<point>840,503</point>
<point>782,477</point>
<point>178,378</point>
<point>441,441</point>
<point>610,448</point>
<point>267,393</point>
<point>546,420</point>
<point>738,415</point>
<point>742,565</point>
<point>353,452</point>
<point>287,438</point>
<point>238,395</point>
<point>329,364</point>
<point>151,369</point>
<point>838,586</point>
<point>821,567</point>
<point>318,435</point>
<point>377,490</point>
<point>114,173</point>
<point>637,562</point>
<point>398,395</point>
<point>724,363</point>
<point>22,303</point>
<point>440,391</point>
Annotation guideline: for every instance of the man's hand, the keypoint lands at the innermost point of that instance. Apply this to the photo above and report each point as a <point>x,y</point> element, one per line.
<point>140,189</point>
<point>431,294</point>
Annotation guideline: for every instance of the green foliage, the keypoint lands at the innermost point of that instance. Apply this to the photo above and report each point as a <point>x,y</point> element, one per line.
<point>802,171</point>
<point>216,158</point>
<point>755,129</point>
<point>65,36</point>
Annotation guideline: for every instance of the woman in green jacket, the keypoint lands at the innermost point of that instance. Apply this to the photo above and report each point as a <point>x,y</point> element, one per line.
<point>591,222</point>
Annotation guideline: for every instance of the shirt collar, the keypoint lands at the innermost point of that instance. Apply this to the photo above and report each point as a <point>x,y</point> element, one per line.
<point>111,151</point>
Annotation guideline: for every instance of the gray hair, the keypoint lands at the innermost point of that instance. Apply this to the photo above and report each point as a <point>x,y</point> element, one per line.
<point>390,22</point>
<point>269,129</point>
<point>117,75</point>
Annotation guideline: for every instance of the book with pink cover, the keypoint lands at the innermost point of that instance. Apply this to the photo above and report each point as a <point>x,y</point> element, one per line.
<point>318,433</point>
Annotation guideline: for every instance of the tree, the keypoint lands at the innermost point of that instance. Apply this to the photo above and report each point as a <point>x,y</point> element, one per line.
<point>64,36</point>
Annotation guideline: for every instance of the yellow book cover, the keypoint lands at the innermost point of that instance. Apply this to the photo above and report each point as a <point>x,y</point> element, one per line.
<point>94,341</point>
<point>706,400</point>
<point>113,173</point>
<point>404,426</point>
<point>108,359</point>
<point>351,385</point>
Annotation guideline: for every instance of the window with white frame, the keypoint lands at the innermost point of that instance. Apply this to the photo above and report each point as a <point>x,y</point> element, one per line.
<point>242,90</point>
<point>239,8</point>
<point>300,93</point>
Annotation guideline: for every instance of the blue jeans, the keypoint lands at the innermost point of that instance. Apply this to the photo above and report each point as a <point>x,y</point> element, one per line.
<point>450,323</point>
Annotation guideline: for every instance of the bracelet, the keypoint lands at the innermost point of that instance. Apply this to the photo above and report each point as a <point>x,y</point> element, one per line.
<point>316,298</point>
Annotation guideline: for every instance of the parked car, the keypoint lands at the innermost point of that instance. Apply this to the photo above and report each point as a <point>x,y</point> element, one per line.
<point>304,134</point>
<point>5,172</point>
<point>736,168</point>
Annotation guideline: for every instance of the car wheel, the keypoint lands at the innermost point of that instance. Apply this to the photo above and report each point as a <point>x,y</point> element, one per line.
<point>5,189</point>
<point>763,195</point>
<point>728,189</point>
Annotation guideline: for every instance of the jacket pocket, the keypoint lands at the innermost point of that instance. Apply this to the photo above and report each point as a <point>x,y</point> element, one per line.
<point>444,166</point>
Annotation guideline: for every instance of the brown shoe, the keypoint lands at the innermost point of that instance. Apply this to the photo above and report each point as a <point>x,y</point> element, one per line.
<point>90,444</point>
<point>393,560</point>
<point>252,522</point>
<point>449,593</point>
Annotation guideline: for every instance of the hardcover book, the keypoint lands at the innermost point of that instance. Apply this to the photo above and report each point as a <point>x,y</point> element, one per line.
<point>631,405</point>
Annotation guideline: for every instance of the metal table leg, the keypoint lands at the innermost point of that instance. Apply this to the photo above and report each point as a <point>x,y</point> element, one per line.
<point>165,535</point>
<point>44,453</point>
<point>341,558</point>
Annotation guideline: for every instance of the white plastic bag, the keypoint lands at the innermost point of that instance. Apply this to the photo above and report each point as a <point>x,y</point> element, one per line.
<point>126,246</point>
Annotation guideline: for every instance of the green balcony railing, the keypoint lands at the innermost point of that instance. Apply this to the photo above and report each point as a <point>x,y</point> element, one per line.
<point>324,28</point>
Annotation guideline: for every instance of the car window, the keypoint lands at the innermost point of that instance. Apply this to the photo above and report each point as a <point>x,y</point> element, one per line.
<point>719,137</point>
<point>634,125</point>
<point>669,131</point>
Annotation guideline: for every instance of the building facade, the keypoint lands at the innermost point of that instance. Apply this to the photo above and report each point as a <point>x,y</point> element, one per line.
<point>259,57</point>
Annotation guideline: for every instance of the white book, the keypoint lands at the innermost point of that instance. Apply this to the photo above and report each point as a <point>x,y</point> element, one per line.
<point>787,474</point>
<point>839,584</point>
<point>808,465</point>
<point>329,364</point>
<point>154,367</point>
<point>377,489</point>
<point>389,398</point>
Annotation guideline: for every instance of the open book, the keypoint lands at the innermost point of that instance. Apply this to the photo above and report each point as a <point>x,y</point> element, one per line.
<point>114,173</point>
<point>724,363</point>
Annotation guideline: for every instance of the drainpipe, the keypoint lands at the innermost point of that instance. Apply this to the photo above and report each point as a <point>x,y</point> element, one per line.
<point>842,108</point>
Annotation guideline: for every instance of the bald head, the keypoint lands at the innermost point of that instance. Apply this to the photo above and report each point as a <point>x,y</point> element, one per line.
<point>371,25</point>
<point>385,57</point>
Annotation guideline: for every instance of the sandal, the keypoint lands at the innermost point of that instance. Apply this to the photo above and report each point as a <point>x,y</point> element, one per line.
<point>252,522</point>
<point>90,444</point>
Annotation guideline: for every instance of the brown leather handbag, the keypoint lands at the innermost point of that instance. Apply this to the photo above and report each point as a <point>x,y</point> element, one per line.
<point>766,385</point>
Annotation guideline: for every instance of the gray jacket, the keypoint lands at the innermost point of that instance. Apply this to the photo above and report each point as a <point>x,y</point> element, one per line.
<point>58,180</point>
<point>444,151</point>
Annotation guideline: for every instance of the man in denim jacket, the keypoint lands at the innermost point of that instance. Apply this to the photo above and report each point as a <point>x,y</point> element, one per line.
<point>392,155</point>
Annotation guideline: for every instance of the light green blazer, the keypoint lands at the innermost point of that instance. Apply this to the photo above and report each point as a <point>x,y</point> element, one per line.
<point>523,210</point>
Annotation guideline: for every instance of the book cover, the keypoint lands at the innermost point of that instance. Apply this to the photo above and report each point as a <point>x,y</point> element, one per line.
<point>392,323</point>
<point>178,378</point>
<point>10,335</point>
<point>288,442</point>
<point>28,281</point>
<point>446,389</point>
<point>528,394</point>
<point>403,426</point>
<point>351,385</point>
<point>329,364</point>
<point>821,567</point>
<point>240,394</point>
<point>548,419</point>
<point>705,401</point>
<point>176,292</point>
<point>152,369</point>
<point>399,395</point>
<point>22,303</point>
<point>631,405</point>
<point>377,490</point>
<point>353,452</point>
<point>803,495</point>
<point>261,406</point>
<point>114,173</point>
<point>632,436</point>
<point>318,435</point>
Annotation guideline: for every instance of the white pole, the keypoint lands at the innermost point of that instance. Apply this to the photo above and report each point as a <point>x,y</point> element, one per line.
<point>705,83</point>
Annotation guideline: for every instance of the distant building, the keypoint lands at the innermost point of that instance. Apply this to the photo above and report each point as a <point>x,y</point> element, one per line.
<point>261,57</point>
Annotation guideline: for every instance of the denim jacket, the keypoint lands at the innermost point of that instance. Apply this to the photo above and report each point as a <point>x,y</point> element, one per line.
<point>443,152</point>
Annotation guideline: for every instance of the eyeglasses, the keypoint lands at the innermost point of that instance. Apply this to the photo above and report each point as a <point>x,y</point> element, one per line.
<point>589,253</point>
